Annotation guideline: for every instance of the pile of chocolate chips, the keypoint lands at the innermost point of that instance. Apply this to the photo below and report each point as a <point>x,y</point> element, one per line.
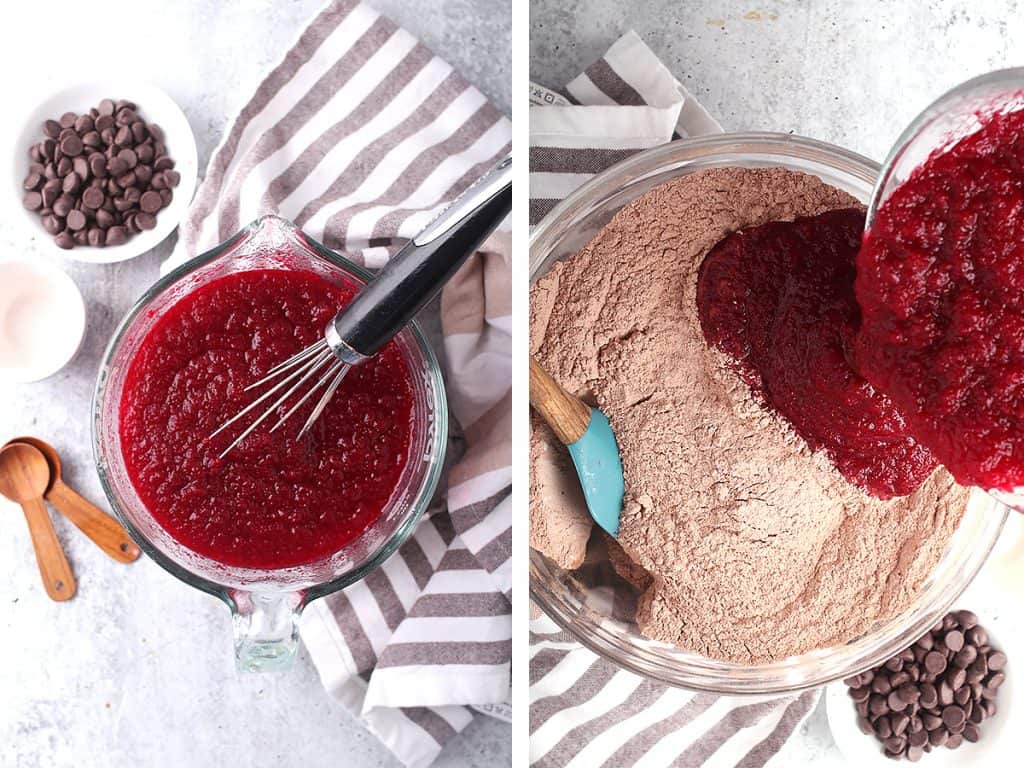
<point>100,177</point>
<point>935,693</point>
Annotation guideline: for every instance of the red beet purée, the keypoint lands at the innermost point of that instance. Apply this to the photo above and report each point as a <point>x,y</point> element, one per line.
<point>778,300</point>
<point>940,282</point>
<point>271,502</point>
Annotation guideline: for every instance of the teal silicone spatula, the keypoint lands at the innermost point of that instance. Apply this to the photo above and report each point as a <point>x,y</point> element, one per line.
<point>585,431</point>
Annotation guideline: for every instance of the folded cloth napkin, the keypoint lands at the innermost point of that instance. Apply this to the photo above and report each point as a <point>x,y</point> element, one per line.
<point>584,710</point>
<point>360,135</point>
<point>624,102</point>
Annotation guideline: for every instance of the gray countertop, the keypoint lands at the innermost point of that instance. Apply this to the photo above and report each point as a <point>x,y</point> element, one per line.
<point>851,72</point>
<point>137,669</point>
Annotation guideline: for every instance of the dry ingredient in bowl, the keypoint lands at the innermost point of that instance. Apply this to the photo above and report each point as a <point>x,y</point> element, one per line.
<point>757,546</point>
<point>99,177</point>
<point>936,693</point>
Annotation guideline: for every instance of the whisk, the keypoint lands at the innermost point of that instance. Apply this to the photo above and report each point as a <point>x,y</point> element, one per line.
<point>384,306</point>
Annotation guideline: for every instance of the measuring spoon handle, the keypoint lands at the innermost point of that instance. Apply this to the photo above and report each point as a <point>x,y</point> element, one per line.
<point>53,564</point>
<point>104,530</point>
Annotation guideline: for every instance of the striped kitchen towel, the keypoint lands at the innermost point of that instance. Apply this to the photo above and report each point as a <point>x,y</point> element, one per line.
<point>360,135</point>
<point>625,102</point>
<point>584,710</point>
<point>587,712</point>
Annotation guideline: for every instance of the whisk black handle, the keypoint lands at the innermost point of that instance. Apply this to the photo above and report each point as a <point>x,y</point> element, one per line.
<point>418,271</point>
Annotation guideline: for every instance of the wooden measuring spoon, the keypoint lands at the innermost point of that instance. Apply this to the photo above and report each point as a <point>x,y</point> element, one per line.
<point>24,475</point>
<point>104,530</point>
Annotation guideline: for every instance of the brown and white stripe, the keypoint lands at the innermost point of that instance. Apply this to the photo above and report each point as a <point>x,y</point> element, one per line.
<point>584,710</point>
<point>360,135</point>
<point>625,102</point>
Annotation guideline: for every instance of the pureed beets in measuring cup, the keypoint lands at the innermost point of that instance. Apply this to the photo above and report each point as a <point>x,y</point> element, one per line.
<point>272,502</point>
<point>940,283</point>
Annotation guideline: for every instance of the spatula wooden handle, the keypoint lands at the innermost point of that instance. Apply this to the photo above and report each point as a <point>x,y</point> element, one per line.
<point>567,415</point>
<point>104,530</point>
<point>53,564</point>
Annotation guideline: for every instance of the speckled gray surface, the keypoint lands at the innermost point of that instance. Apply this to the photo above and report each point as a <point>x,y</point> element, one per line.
<point>137,669</point>
<point>852,72</point>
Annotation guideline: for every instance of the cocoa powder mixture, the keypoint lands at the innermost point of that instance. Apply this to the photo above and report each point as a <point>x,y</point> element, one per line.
<point>756,547</point>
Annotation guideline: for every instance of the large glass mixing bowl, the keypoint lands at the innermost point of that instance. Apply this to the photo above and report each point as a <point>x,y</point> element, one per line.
<point>586,602</point>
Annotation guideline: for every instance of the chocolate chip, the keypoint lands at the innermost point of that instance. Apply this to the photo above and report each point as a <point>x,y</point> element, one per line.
<point>997,661</point>
<point>71,183</point>
<point>899,723</point>
<point>71,145</point>
<point>116,236</point>
<point>954,640</point>
<point>977,636</point>
<point>956,678</point>
<point>173,178</point>
<point>880,684</point>
<point>84,124</point>
<point>909,693</point>
<point>92,198</point>
<point>883,727</point>
<point>146,221</point>
<point>96,237</point>
<point>896,704</point>
<point>52,224</point>
<point>104,218</point>
<point>51,191</point>
<point>895,744</point>
<point>965,657</point>
<point>994,680</point>
<point>62,205</point>
<point>32,201</point>
<point>76,220</point>
<point>117,166</point>
<point>945,694</point>
<point>935,663</point>
<point>865,726</point>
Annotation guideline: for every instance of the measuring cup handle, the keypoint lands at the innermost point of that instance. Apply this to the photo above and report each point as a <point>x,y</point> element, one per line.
<point>266,628</point>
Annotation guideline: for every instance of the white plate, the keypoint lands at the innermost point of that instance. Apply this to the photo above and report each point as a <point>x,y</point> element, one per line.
<point>155,106</point>
<point>42,320</point>
<point>995,747</point>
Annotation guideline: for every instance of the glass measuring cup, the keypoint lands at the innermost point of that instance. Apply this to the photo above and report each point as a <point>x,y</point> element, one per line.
<point>956,114</point>
<point>266,604</point>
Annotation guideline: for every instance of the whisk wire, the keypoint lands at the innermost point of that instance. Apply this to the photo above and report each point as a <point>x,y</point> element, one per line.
<point>320,383</point>
<point>291,362</point>
<point>318,362</point>
<point>319,407</point>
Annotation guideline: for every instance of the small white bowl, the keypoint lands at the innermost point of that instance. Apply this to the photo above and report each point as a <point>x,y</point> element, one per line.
<point>155,106</point>
<point>42,320</point>
<point>995,747</point>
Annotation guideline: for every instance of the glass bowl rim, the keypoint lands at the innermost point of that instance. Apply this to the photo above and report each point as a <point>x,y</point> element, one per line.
<point>650,161</point>
<point>439,443</point>
<point>579,204</point>
<point>998,77</point>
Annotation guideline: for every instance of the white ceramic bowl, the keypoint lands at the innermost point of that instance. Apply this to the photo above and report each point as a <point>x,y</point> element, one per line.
<point>995,747</point>
<point>42,320</point>
<point>155,106</point>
